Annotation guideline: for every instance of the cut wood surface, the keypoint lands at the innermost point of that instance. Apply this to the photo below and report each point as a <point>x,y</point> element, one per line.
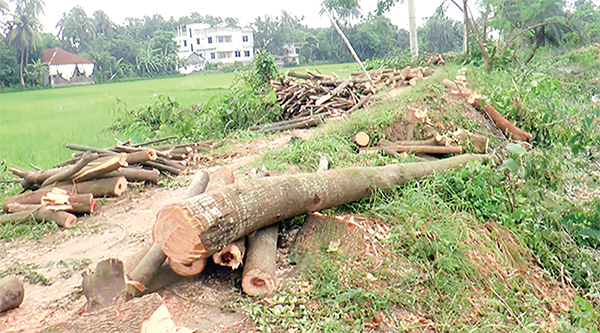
<point>105,286</point>
<point>480,143</point>
<point>161,322</point>
<point>111,164</point>
<point>12,293</point>
<point>329,232</point>
<point>195,268</point>
<point>126,318</point>
<point>258,277</point>
<point>59,199</point>
<point>68,172</point>
<point>232,255</point>
<point>508,128</point>
<point>361,139</point>
<point>114,186</point>
<point>202,225</point>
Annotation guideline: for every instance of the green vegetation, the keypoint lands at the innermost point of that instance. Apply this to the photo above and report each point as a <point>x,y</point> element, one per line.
<point>483,248</point>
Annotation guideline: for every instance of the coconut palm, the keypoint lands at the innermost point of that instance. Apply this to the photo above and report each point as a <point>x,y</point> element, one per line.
<point>25,30</point>
<point>76,27</point>
<point>103,24</point>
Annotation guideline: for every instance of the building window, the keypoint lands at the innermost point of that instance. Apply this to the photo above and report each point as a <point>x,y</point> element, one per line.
<point>224,55</point>
<point>191,47</point>
<point>209,40</point>
<point>244,38</point>
<point>224,39</point>
<point>246,53</point>
<point>297,50</point>
<point>238,54</point>
<point>212,55</point>
<point>198,41</point>
<point>184,43</point>
<point>190,32</point>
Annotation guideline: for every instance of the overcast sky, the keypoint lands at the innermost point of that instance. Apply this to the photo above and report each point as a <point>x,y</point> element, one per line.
<point>245,10</point>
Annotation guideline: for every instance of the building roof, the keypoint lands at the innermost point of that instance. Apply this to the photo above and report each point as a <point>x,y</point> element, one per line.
<point>58,56</point>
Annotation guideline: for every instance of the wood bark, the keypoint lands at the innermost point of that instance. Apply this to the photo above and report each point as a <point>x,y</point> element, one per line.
<point>127,317</point>
<point>104,287</point>
<point>143,273</point>
<point>164,167</point>
<point>329,232</point>
<point>360,103</point>
<point>258,277</point>
<point>436,150</point>
<point>141,156</point>
<point>198,184</point>
<point>114,186</point>
<point>68,172</point>
<point>202,225</point>
<point>219,178</point>
<point>427,142</point>
<point>12,293</point>
<point>39,213</point>
<point>480,143</point>
<point>475,100</point>
<point>135,175</point>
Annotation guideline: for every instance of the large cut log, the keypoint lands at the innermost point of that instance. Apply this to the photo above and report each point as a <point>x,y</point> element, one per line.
<point>84,202</point>
<point>329,232</point>
<point>204,224</point>
<point>38,213</point>
<point>59,199</point>
<point>135,175</point>
<point>114,186</point>
<point>127,317</point>
<point>11,293</point>
<point>104,287</point>
<point>475,100</point>
<point>258,277</point>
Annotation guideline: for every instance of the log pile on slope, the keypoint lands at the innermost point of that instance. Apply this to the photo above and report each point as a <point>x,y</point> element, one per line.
<point>70,188</point>
<point>309,99</point>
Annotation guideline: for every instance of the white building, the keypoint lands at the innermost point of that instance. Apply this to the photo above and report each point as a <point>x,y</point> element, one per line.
<point>217,45</point>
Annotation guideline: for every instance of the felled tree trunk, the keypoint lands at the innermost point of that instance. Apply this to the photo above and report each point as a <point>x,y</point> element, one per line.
<point>258,277</point>
<point>12,293</point>
<point>436,150</point>
<point>135,175</point>
<point>59,199</point>
<point>145,271</point>
<point>204,224</point>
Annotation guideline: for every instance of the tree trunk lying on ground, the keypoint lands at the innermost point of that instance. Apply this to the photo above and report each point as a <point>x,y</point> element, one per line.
<point>258,277</point>
<point>59,199</point>
<point>12,293</point>
<point>504,125</point>
<point>435,150</point>
<point>204,224</point>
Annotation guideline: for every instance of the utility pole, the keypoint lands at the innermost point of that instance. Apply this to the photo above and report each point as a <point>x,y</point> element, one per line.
<point>412,21</point>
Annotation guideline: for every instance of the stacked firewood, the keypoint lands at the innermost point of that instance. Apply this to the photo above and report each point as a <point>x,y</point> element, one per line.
<point>317,97</point>
<point>70,187</point>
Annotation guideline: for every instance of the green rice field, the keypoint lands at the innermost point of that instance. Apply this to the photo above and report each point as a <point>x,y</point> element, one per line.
<point>35,125</point>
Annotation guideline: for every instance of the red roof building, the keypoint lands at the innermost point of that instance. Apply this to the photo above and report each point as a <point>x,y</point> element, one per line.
<point>67,68</point>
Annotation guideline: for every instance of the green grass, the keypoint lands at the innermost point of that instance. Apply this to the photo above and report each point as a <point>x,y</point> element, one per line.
<point>35,125</point>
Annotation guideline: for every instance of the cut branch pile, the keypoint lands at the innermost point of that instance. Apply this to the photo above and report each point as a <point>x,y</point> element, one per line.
<point>309,99</point>
<point>70,188</point>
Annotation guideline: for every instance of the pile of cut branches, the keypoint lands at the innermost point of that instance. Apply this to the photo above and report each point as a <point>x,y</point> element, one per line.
<point>69,189</point>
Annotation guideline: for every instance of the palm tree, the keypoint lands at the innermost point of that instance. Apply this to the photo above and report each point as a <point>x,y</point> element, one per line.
<point>24,32</point>
<point>76,27</point>
<point>103,24</point>
<point>343,10</point>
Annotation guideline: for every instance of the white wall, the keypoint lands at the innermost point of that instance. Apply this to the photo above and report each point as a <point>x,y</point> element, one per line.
<point>227,45</point>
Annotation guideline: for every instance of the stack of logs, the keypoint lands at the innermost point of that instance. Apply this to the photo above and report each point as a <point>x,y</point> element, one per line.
<point>58,194</point>
<point>317,97</point>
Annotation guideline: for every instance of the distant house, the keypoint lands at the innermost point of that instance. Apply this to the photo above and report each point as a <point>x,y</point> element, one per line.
<point>67,68</point>
<point>193,62</point>
<point>219,45</point>
<point>292,53</point>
